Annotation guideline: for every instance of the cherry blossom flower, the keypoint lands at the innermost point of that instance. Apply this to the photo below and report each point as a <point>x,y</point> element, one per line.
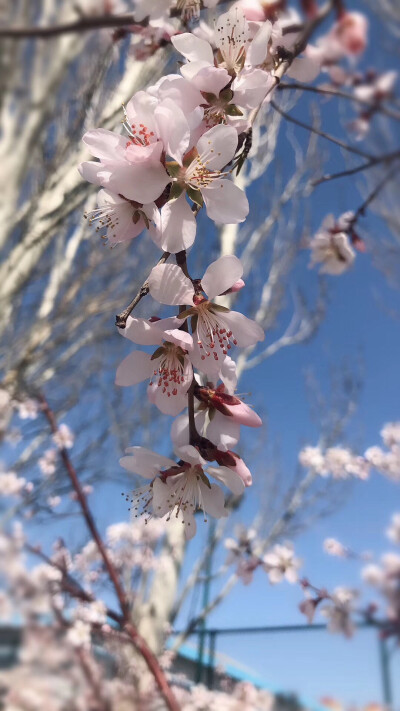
<point>347,38</point>
<point>47,463</point>
<point>338,612</point>
<point>215,328</point>
<point>179,489</point>
<point>201,176</point>
<point>123,219</point>
<point>54,501</point>
<point>64,437</point>
<point>132,167</point>
<point>281,564</point>
<point>393,532</point>
<point>331,248</point>
<point>168,368</point>
<point>28,409</point>
<point>390,434</point>
<point>335,548</point>
<point>11,484</point>
<point>79,635</point>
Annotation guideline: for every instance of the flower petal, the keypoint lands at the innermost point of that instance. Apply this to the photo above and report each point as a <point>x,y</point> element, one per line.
<point>221,275</point>
<point>135,368</point>
<point>142,332</point>
<point>173,129</point>
<point>144,462</point>
<point>176,227</point>
<point>105,144</point>
<point>193,48</point>
<point>169,285</point>
<point>213,500</point>
<point>232,481</point>
<point>225,202</point>
<point>246,331</point>
<point>217,146</point>
<point>258,48</point>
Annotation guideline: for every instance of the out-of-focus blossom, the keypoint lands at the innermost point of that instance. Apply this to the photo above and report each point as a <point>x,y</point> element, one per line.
<point>331,248</point>
<point>281,564</point>
<point>339,611</point>
<point>64,437</point>
<point>47,463</point>
<point>28,409</point>
<point>393,532</point>
<point>335,548</point>
<point>79,635</point>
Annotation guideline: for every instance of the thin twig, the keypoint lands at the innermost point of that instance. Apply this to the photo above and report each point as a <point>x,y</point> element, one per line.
<point>121,318</point>
<point>358,169</point>
<point>323,134</point>
<point>137,639</point>
<point>371,197</point>
<point>341,95</point>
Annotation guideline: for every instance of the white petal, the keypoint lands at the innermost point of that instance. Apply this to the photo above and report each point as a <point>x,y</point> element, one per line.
<point>207,78</point>
<point>232,481</point>
<point>213,500</point>
<point>105,144</point>
<point>140,109</point>
<point>189,454</point>
<point>228,375</point>
<point>173,129</point>
<point>144,462</point>
<point>245,331</point>
<point>176,229</point>
<point>142,332</point>
<point>225,202</point>
<point>223,431</point>
<point>172,405</point>
<point>169,285</point>
<point>221,275</point>
<point>135,368</point>
<point>142,182</point>
<point>304,69</point>
<point>217,146</point>
<point>258,49</point>
<point>193,48</point>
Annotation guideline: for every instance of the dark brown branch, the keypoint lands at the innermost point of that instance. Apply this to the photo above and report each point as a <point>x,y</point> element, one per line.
<point>84,24</point>
<point>121,318</point>
<point>125,623</point>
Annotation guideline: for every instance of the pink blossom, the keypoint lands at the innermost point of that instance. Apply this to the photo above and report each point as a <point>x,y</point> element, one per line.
<point>64,437</point>
<point>331,248</point>
<point>123,219</point>
<point>280,563</point>
<point>215,328</point>
<point>181,488</point>
<point>168,368</point>
<point>47,463</point>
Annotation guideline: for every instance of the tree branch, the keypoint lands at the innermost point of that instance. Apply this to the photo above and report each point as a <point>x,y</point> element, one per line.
<point>121,318</point>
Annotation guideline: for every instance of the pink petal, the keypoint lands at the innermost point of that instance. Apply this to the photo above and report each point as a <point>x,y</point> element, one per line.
<point>144,462</point>
<point>244,415</point>
<point>173,129</point>
<point>218,146</point>
<point>172,405</point>
<point>193,48</point>
<point>105,144</point>
<point>223,431</point>
<point>142,182</point>
<point>135,368</point>
<point>221,275</point>
<point>169,285</point>
<point>225,202</point>
<point>213,500</point>
<point>176,227</point>
<point>232,481</point>
<point>304,69</point>
<point>246,331</point>
<point>258,48</point>
<point>142,332</point>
